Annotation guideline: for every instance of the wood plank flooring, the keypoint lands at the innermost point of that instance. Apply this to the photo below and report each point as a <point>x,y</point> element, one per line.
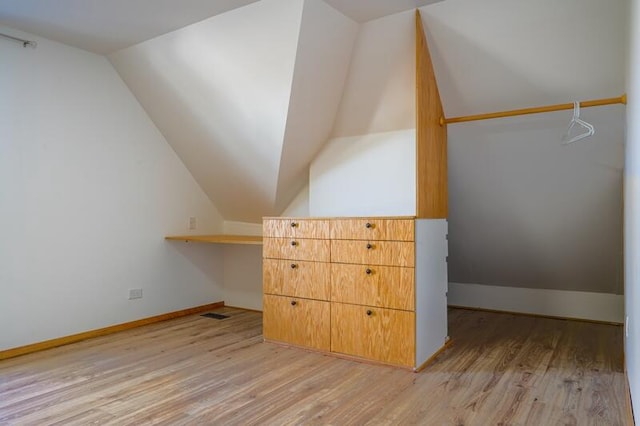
<point>501,369</point>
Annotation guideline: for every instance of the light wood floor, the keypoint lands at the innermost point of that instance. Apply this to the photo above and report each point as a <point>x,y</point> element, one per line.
<point>500,370</point>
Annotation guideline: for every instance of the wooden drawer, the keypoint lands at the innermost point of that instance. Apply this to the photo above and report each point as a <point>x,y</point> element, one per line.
<point>391,253</point>
<point>296,249</point>
<point>296,228</point>
<point>297,321</point>
<point>297,278</point>
<point>381,334</point>
<point>373,229</point>
<point>383,286</point>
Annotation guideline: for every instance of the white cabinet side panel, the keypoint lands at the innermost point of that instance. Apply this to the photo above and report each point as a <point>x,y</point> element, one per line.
<point>431,287</point>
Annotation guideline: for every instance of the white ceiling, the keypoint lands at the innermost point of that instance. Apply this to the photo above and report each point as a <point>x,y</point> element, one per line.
<point>366,10</point>
<point>106,26</point>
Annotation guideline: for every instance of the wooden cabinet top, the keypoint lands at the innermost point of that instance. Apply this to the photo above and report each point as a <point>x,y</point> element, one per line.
<point>399,228</point>
<point>336,217</point>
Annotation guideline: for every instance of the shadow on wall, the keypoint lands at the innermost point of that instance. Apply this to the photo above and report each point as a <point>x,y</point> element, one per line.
<point>207,258</point>
<point>527,211</point>
<point>243,276</point>
<point>234,271</point>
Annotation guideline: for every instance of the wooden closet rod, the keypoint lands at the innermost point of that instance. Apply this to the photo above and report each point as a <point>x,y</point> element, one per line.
<point>535,110</point>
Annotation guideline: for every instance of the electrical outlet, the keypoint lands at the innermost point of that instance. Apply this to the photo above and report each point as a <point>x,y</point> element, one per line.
<point>192,222</point>
<point>135,293</point>
<point>626,327</point>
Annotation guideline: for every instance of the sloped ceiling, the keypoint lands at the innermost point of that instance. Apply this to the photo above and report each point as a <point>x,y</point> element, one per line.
<point>379,95</point>
<point>367,10</point>
<point>525,210</point>
<point>223,93</point>
<point>322,64</point>
<point>106,26</point>
<point>493,55</point>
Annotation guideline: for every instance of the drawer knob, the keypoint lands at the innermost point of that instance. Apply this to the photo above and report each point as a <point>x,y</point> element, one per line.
<point>369,246</point>
<point>368,271</point>
<point>368,225</point>
<point>369,312</point>
<point>294,266</point>
<point>294,243</point>
<point>294,303</point>
<point>294,224</point>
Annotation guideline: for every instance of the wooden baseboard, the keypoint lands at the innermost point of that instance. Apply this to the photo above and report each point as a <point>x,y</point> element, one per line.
<point>244,309</point>
<point>429,360</point>
<point>497,311</point>
<point>60,341</point>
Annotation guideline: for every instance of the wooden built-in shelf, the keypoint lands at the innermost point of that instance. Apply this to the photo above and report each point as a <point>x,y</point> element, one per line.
<point>218,239</point>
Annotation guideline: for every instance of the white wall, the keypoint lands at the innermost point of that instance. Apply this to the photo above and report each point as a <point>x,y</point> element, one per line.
<point>368,175</point>
<point>632,213</point>
<point>241,228</point>
<point>368,165</point>
<point>299,207</point>
<point>88,189</point>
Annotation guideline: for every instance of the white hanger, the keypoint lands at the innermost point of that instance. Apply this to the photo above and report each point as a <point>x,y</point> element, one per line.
<point>590,131</point>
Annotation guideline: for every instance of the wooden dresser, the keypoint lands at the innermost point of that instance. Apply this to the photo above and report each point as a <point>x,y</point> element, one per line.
<point>372,288</point>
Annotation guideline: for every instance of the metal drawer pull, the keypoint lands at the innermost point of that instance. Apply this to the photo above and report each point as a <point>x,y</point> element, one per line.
<point>294,224</point>
<point>294,266</point>
<point>368,271</point>
<point>369,312</point>
<point>369,246</point>
<point>368,225</point>
<point>294,243</point>
<point>294,303</point>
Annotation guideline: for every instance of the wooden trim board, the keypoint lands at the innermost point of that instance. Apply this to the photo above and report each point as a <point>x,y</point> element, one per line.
<point>60,341</point>
<point>244,309</point>
<point>432,358</point>
<point>431,136</point>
